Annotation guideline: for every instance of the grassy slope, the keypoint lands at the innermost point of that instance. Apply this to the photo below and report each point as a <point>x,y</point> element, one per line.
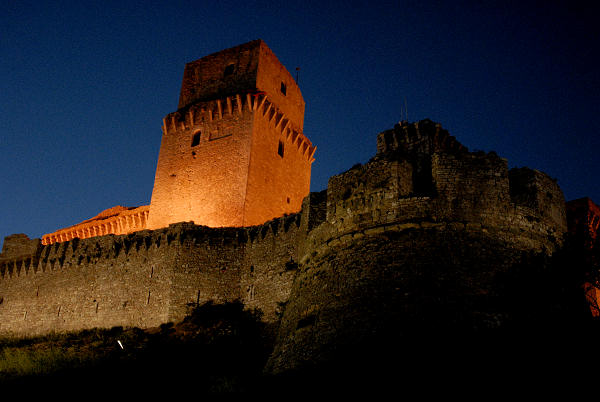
<point>218,348</point>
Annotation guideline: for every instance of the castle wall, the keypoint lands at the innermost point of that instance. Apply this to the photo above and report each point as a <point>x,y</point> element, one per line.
<point>270,264</point>
<point>206,267</point>
<point>471,186</point>
<point>390,263</point>
<point>204,182</point>
<point>353,262</point>
<point>99,282</point>
<point>149,277</point>
<point>382,286</point>
<point>280,166</point>
<point>537,194</point>
<point>371,194</point>
<point>468,190</point>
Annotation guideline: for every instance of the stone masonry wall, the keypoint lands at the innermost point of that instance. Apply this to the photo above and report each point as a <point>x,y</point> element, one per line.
<point>18,245</point>
<point>100,282</point>
<point>270,264</point>
<point>147,278</point>
<point>206,78</point>
<point>202,168</point>
<point>280,166</point>
<point>368,230</point>
<point>233,154</point>
<point>255,265</point>
<point>388,257</point>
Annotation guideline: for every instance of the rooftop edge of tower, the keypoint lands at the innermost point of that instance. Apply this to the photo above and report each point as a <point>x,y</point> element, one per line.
<point>251,67</point>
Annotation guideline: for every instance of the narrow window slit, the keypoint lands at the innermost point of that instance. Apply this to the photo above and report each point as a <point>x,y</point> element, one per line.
<point>196,139</point>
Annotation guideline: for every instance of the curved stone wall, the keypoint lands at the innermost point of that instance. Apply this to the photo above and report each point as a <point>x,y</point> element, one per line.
<point>415,237</point>
<point>394,254</point>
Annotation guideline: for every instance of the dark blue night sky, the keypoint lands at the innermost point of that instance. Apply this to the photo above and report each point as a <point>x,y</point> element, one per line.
<point>85,86</point>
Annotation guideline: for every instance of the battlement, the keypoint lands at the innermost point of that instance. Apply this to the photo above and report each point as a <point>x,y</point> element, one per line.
<point>38,257</point>
<point>116,220</point>
<point>232,218</point>
<point>422,177</point>
<point>209,111</point>
<point>145,278</point>
<point>18,245</point>
<point>239,120</point>
<point>422,184</point>
<point>258,103</point>
<point>422,137</point>
<point>281,124</point>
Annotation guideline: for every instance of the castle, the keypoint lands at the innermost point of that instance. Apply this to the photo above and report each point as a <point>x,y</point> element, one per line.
<point>233,154</point>
<point>231,218</point>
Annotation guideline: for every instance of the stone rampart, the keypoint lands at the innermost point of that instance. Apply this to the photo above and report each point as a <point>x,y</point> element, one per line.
<point>146,278</point>
<point>398,248</point>
<point>99,282</point>
<point>355,254</point>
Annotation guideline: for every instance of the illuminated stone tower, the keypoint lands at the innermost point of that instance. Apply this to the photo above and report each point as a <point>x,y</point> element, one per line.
<point>233,154</point>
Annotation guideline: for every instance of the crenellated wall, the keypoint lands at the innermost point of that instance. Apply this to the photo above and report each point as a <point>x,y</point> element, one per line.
<point>202,169</point>
<point>230,177</point>
<point>474,190</point>
<point>116,220</point>
<point>233,154</point>
<point>424,229</point>
<point>351,258</point>
<point>99,282</point>
<point>146,278</point>
<point>18,245</point>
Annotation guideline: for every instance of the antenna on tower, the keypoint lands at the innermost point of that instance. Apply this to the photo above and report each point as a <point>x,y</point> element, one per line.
<point>403,113</point>
<point>297,69</point>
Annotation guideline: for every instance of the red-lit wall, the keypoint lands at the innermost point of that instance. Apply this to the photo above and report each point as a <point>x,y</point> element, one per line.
<point>235,175</point>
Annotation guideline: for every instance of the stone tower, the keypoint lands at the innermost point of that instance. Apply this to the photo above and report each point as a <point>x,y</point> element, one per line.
<point>233,154</point>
